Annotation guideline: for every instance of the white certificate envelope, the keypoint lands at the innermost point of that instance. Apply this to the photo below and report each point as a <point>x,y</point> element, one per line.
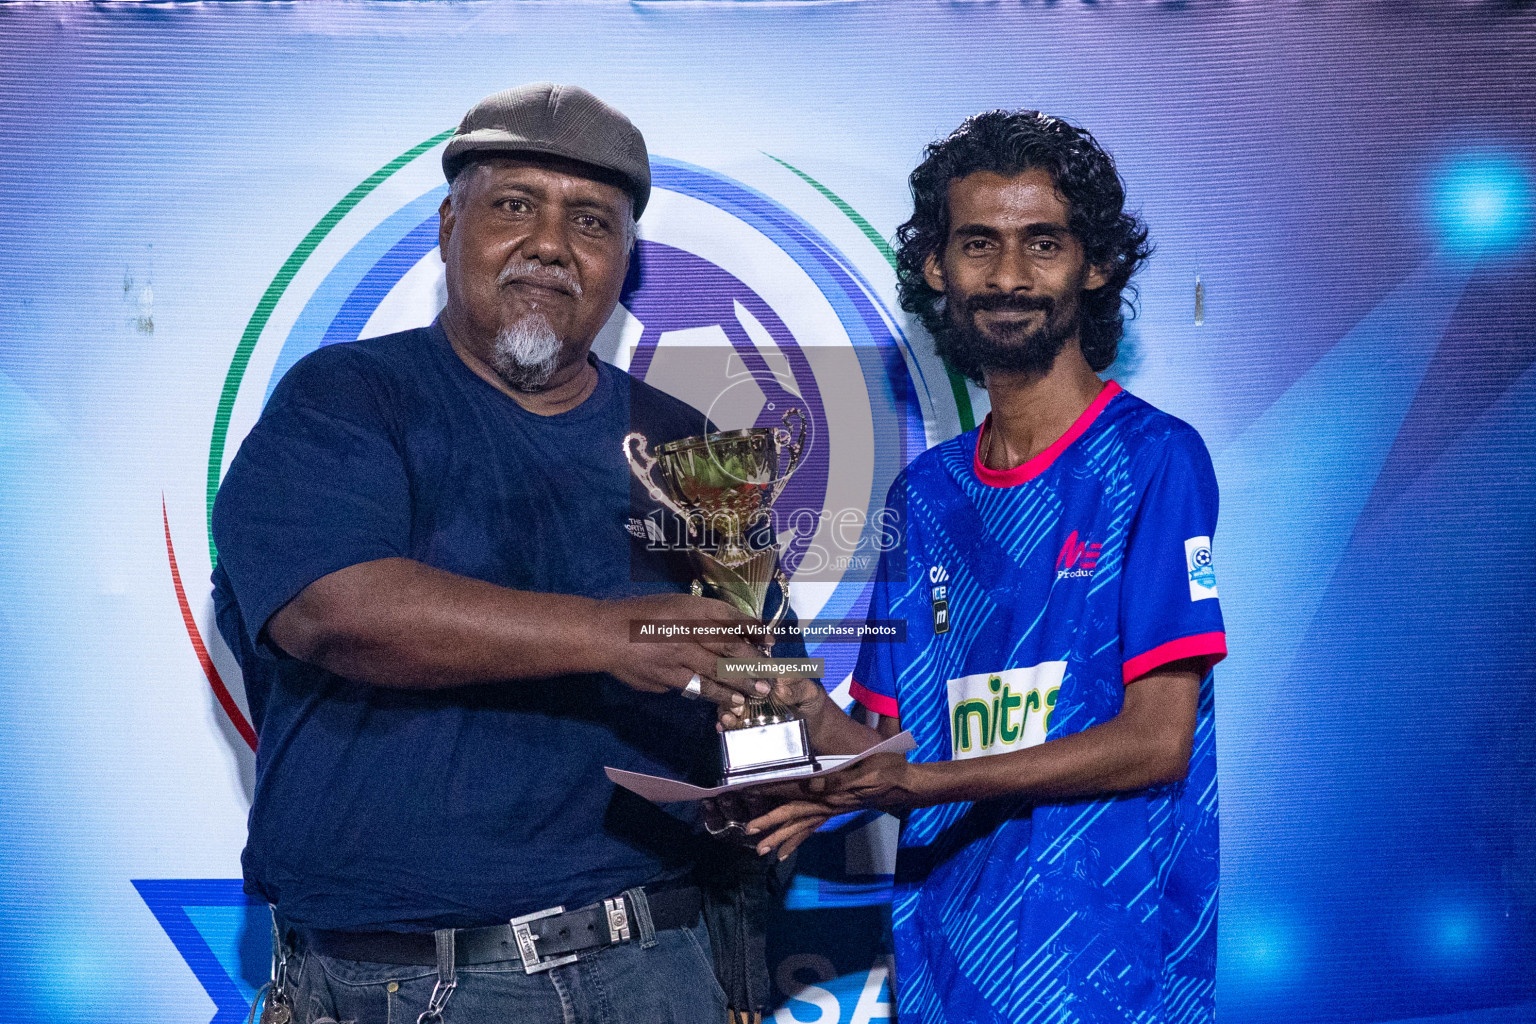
<point>665,791</point>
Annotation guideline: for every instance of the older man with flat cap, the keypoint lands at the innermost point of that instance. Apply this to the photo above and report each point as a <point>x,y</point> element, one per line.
<point>426,574</point>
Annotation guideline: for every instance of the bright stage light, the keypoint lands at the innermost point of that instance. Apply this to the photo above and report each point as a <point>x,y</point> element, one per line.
<point>1483,202</point>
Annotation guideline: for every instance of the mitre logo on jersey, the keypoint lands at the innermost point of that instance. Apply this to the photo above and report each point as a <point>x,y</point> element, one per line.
<point>995,712</point>
<point>1078,559</point>
<point>939,577</point>
<point>1197,559</point>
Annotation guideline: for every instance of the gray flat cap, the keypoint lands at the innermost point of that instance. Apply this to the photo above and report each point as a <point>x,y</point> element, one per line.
<point>555,120</point>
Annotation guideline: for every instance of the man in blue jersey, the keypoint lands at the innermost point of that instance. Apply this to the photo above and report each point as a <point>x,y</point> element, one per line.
<point>1058,857</point>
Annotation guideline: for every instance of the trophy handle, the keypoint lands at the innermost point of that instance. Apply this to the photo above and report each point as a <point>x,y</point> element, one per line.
<point>778,616</point>
<point>641,463</point>
<point>782,440</point>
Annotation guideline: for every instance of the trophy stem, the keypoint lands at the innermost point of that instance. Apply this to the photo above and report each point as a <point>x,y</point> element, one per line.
<point>732,553</point>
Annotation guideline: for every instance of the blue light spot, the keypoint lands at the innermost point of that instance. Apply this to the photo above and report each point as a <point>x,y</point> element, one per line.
<point>1257,953</point>
<point>1457,933</point>
<point>1265,949</point>
<point>1483,202</point>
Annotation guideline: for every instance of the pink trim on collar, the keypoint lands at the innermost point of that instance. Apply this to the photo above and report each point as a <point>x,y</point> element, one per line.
<point>1040,463</point>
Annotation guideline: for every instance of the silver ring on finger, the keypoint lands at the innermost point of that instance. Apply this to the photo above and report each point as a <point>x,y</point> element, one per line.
<point>695,688</point>
<point>731,829</point>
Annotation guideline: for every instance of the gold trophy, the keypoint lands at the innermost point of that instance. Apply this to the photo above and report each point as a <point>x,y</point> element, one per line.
<point>723,484</point>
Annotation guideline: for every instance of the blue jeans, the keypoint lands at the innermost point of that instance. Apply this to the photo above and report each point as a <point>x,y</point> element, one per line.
<point>671,982</point>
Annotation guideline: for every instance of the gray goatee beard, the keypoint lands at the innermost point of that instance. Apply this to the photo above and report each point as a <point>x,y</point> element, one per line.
<point>526,353</point>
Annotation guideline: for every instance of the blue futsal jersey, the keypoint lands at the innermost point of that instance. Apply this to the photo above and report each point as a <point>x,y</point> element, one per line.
<point>1032,598</point>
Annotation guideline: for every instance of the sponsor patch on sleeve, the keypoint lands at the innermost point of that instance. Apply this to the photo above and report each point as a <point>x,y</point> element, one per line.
<point>1202,577</point>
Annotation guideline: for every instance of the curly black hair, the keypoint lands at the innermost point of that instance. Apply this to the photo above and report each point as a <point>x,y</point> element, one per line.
<point>1010,143</point>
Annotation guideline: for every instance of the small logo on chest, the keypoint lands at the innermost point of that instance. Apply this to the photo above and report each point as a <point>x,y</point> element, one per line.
<point>938,576</point>
<point>1078,559</point>
<point>646,530</point>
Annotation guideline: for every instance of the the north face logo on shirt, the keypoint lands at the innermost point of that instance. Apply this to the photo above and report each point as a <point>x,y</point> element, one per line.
<point>1078,559</point>
<point>995,712</point>
<point>646,530</point>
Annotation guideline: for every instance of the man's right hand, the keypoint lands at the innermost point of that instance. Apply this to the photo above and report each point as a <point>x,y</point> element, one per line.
<point>668,664</point>
<point>807,697</point>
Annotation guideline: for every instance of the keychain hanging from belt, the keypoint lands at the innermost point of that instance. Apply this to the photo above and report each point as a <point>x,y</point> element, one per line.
<point>272,999</point>
<point>447,979</point>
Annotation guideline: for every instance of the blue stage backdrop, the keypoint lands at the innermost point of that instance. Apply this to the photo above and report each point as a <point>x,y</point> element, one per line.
<point>1342,301</point>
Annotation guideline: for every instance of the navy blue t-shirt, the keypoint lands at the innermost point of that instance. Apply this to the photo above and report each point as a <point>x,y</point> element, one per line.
<point>390,809</point>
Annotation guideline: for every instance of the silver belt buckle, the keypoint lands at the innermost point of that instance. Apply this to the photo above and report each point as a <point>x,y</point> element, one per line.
<point>618,919</point>
<point>527,943</point>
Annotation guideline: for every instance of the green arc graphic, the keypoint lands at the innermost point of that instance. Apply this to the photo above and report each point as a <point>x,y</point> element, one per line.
<point>317,234</point>
<point>268,303</point>
<point>956,382</point>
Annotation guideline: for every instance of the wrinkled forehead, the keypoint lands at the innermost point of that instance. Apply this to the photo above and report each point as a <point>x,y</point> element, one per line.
<point>549,176</point>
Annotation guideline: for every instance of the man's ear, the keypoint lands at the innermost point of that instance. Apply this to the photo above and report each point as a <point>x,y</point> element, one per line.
<point>933,272</point>
<point>1097,277</point>
<point>445,219</point>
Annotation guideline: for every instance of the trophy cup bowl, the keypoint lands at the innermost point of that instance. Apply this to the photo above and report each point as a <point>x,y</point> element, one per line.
<point>723,484</point>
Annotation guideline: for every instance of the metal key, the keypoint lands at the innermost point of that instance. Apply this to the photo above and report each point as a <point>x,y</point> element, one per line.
<point>276,1011</point>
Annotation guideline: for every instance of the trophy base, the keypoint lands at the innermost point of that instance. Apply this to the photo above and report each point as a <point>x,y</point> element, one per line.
<point>762,753</point>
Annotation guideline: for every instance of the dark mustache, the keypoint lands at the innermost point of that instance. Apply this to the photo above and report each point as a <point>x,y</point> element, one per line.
<point>548,276</point>
<point>1012,303</point>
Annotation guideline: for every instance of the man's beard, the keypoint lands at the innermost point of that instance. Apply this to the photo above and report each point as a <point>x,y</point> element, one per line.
<point>970,350</point>
<point>526,353</point>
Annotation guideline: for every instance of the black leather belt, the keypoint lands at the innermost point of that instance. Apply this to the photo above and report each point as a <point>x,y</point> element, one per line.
<point>548,938</point>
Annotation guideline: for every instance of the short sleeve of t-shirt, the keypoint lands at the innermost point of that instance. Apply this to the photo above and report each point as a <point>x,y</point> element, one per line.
<point>874,673</point>
<point>319,484</point>
<point>1169,608</point>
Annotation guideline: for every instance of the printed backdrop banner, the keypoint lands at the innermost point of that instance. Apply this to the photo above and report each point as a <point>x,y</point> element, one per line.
<point>192,197</point>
